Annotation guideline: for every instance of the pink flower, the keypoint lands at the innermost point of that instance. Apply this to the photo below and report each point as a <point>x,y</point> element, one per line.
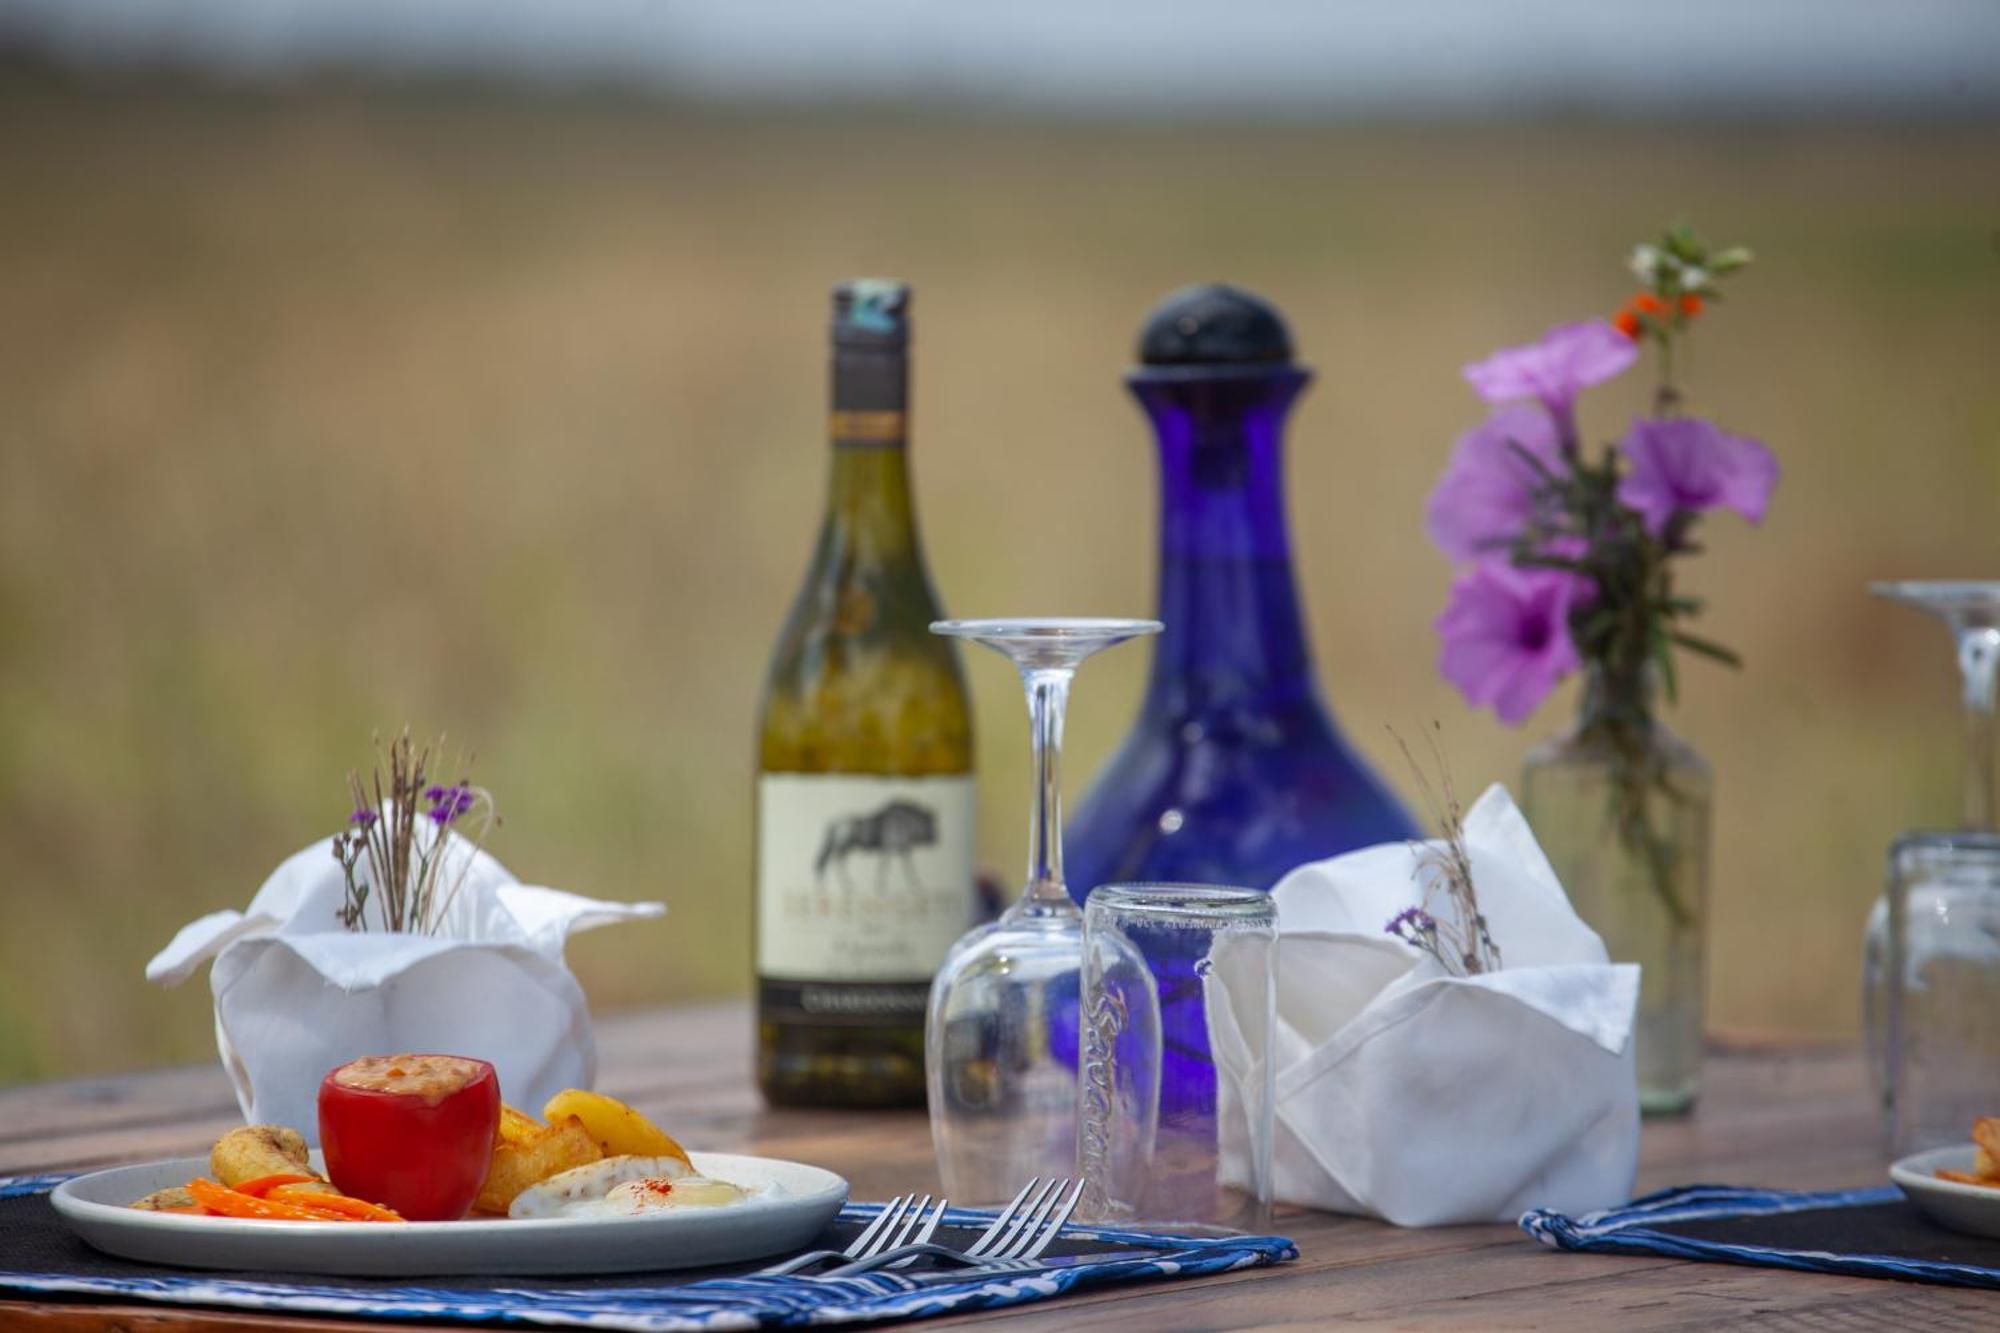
<point>1568,359</point>
<point>1686,465</point>
<point>1486,496</point>
<point>1506,635</point>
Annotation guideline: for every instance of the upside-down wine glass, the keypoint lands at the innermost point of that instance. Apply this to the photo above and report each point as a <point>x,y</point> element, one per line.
<point>1931,970</point>
<point>1000,1035</point>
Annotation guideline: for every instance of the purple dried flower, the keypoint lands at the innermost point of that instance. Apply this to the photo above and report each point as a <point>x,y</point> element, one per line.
<point>448,803</point>
<point>363,818</point>
<point>1686,465</point>
<point>1410,923</point>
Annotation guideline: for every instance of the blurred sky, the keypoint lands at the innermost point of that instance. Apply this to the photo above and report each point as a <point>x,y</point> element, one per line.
<point>1462,58</point>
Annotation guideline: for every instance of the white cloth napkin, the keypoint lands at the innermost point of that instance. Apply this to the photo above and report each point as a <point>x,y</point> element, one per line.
<point>297,994</point>
<point>1423,1098</point>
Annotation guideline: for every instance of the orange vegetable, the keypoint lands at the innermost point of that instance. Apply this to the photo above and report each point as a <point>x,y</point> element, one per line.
<point>226,1202</point>
<point>263,1185</point>
<point>343,1207</point>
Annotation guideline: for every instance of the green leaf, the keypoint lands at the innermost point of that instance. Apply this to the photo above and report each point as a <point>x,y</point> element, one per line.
<point>1708,648</point>
<point>1663,654</point>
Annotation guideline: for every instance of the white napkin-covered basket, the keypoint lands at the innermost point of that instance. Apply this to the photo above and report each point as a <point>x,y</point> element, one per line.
<point>297,994</point>
<point>1421,1097</point>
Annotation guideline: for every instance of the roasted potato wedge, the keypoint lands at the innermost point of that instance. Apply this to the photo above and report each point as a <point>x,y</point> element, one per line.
<point>264,1150</point>
<point>619,1130</point>
<point>174,1196</point>
<point>518,1127</point>
<point>1986,1133</point>
<point>516,1166</point>
<point>1967,1178</point>
<point>1986,1164</point>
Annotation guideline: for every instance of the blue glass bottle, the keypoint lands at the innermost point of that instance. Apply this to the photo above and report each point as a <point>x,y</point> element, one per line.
<point>1234,772</point>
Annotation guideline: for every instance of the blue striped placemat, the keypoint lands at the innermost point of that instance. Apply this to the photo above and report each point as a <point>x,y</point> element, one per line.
<point>1860,1233</point>
<point>642,1303</point>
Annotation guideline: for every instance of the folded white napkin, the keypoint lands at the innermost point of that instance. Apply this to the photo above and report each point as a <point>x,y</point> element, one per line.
<point>1410,1094</point>
<point>297,994</point>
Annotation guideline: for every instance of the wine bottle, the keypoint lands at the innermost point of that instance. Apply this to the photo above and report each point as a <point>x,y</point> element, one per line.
<point>1234,772</point>
<point>864,790</point>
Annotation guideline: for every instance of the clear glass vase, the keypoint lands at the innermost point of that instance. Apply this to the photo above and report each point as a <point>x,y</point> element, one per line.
<point>1621,806</point>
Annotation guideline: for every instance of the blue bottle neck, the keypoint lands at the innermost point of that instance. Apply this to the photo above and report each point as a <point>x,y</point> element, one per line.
<point>1235,637</point>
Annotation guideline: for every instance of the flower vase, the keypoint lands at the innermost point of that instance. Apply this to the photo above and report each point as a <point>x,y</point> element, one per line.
<point>1621,806</point>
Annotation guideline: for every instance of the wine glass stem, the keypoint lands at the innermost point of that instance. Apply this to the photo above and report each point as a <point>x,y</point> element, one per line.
<point>1979,660</point>
<point>1048,699</point>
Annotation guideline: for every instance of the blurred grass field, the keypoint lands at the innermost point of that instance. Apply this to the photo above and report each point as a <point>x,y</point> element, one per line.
<point>326,411</point>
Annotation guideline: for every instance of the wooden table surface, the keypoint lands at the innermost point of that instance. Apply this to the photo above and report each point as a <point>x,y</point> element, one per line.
<point>1771,1115</point>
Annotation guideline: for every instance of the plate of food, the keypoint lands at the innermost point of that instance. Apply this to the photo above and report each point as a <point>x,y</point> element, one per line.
<point>1957,1186</point>
<point>423,1171</point>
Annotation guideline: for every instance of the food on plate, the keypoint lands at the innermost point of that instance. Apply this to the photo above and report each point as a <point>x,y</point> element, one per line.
<point>258,1199</point>
<point>426,1138</point>
<point>622,1186</point>
<point>551,1150</point>
<point>1985,1156</point>
<point>618,1129</point>
<point>264,1197</point>
<point>256,1151</point>
<point>415,1133</point>
<point>172,1199</point>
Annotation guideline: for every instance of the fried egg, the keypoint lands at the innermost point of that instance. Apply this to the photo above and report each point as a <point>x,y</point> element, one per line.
<point>625,1187</point>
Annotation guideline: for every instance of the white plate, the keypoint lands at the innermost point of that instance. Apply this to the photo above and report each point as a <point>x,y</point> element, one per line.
<point>1970,1208</point>
<point>804,1201</point>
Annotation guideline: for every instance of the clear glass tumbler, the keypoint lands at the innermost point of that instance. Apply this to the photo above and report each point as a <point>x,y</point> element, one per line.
<point>1942,992</point>
<point>1187,970</point>
<point>1931,965</point>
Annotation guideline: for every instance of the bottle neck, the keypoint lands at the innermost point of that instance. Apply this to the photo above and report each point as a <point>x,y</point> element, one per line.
<point>868,510</point>
<point>1235,636</point>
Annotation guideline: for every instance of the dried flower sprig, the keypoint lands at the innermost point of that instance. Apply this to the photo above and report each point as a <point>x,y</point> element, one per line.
<point>396,851</point>
<point>1462,942</point>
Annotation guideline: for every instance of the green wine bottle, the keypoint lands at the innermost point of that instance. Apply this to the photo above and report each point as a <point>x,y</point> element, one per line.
<point>864,786</point>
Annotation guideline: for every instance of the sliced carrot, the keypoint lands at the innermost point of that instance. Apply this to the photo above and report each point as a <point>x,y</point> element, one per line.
<point>263,1185</point>
<point>234,1203</point>
<point>226,1202</point>
<point>345,1207</point>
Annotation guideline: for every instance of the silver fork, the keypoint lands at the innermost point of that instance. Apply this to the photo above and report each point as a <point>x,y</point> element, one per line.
<point>1014,1240</point>
<point>901,1222</point>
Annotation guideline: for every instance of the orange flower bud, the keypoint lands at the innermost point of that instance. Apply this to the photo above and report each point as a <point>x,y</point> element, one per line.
<point>1691,304</point>
<point>1627,323</point>
<point>1647,303</point>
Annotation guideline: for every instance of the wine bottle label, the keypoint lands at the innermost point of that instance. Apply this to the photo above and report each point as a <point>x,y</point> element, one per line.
<point>860,879</point>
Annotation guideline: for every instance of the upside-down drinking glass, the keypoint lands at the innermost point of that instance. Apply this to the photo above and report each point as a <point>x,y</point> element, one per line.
<point>1186,970</point>
<point>1931,968</point>
<point>1000,1035</point>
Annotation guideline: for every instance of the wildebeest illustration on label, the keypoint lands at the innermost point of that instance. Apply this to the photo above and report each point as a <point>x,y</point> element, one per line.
<point>890,834</point>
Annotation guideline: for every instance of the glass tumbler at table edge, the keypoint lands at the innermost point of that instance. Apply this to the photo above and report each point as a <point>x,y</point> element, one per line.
<point>1000,1032</point>
<point>1931,966</point>
<point>1186,970</point>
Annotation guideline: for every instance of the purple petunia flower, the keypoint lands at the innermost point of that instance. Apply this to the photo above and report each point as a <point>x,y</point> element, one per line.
<point>1486,496</point>
<point>1506,634</point>
<point>1687,465</point>
<point>1568,359</point>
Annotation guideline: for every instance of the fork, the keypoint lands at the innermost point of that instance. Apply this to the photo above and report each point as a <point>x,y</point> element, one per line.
<point>900,1223</point>
<point>1014,1240</point>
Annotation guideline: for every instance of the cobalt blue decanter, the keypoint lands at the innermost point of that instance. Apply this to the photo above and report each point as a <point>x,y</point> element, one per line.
<point>1234,772</point>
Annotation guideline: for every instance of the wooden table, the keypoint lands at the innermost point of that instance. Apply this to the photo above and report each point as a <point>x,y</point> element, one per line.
<point>1771,1115</point>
